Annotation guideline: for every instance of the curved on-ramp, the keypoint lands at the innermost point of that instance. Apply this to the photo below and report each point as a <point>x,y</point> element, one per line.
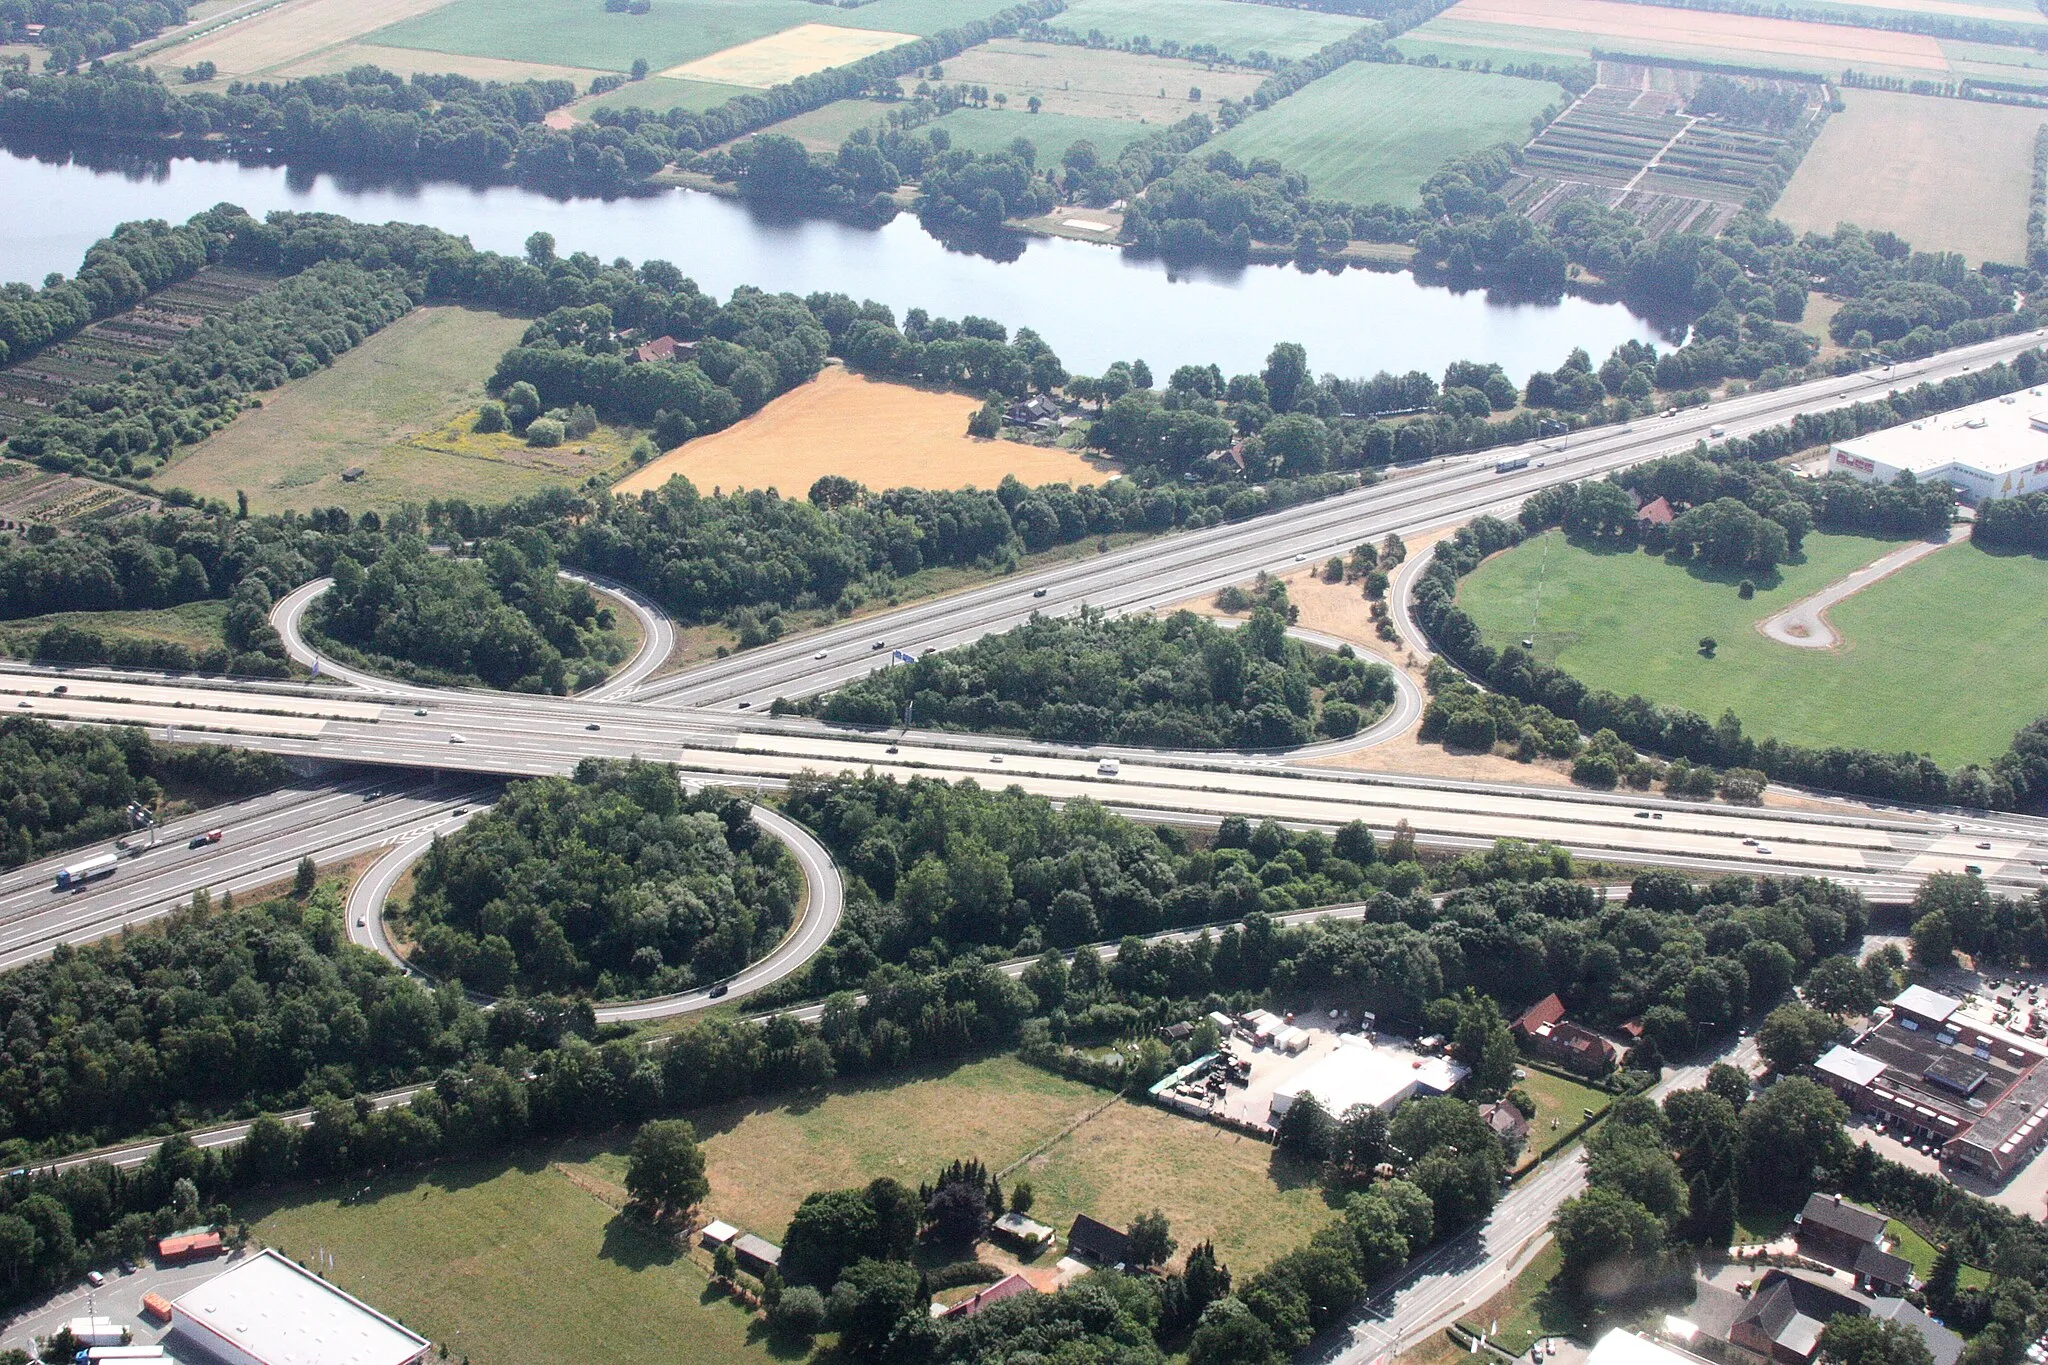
<point>824,904</point>
<point>657,642</point>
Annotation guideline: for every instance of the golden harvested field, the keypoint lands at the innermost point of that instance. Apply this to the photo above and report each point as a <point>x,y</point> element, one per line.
<point>784,56</point>
<point>291,32</point>
<point>1645,27</point>
<point>880,435</point>
<point>407,60</point>
<point>1946,175</point>
<point>1094,82</point>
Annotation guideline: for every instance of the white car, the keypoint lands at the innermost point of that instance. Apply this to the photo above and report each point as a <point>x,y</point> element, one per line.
<point>457,739</point>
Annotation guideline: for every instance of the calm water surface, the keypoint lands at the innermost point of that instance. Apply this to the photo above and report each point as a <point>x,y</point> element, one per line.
<point>1093,304</point>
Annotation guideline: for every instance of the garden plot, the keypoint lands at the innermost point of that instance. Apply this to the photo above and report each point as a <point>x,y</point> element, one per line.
<point>1631,143</point>
<point>112,345</point>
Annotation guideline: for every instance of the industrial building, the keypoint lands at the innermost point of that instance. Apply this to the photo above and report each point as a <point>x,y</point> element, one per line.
<point>1358,1071</point>
<point>1994,449</point>
<point>1939,1072</point>
<point>267,1310</point>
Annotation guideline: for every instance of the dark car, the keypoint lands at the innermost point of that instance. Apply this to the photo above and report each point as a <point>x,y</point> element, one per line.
<point>719,989</point>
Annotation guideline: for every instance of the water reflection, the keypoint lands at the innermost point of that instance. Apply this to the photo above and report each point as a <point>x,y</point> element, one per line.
<point>1093,304</point>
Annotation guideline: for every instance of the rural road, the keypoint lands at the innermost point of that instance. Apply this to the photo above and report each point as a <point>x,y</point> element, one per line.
<point>1804,624</point>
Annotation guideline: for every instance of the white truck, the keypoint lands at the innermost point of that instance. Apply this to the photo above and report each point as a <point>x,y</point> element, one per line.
<point>78,874</point>
<point>1109,767</point>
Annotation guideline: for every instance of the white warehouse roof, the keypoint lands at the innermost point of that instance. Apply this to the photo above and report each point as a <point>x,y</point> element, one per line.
<point>1993,439</point>
<point>274,1312</point>
<point>1357,1072</point>
<point>1930,1005</point>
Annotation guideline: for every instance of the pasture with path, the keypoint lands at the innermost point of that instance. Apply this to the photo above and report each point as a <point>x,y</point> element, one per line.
<point>1944,656</point>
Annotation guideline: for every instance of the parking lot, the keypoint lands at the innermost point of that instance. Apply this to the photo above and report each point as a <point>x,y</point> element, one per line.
<point>120,1298</point>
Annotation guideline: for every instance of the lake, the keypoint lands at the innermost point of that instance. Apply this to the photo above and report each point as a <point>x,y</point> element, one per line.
<point>1094,304</point>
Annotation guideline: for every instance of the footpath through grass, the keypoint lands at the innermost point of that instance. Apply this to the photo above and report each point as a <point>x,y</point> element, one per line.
<point>1944,657</point>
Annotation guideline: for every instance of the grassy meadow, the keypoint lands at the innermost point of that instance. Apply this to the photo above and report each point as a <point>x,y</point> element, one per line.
<point>1944,657</point>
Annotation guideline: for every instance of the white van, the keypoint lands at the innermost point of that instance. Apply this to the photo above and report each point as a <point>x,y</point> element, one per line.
<point>1109,767</point>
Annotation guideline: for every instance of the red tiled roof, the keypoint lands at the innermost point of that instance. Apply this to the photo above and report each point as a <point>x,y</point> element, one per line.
<point>1548,1010</point>
<point>1657,513</point>
<point>1009,1287</point>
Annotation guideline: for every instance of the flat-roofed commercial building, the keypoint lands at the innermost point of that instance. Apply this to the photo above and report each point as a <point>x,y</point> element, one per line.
<point>1939,1072</point>
<point>268,1310</point>
<point>1994,449</point>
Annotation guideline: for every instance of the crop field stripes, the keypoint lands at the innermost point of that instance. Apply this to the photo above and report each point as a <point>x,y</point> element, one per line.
<point>1630,142</point>
<point>118,343</point>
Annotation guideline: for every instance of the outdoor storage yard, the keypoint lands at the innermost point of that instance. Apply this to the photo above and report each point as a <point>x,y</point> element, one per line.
<point>1946,175</point>
<point>880,435</point>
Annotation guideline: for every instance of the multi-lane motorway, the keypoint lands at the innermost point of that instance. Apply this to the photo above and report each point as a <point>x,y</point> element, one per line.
<point>710,721</point>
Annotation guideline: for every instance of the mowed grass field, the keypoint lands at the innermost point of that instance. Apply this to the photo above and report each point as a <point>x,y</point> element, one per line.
<point>1944,657</point>
<point>1371,132</point>
<point>580,33</point>
<point>880,435</point>
<point>1946,175</point>
<point>1124,1160</point>
<point>398,406</point>
<point>1233,27</point>
<point>661,93</point>
<point>509,1262</point>
<point>1094,82</point>
<point>988,130</point>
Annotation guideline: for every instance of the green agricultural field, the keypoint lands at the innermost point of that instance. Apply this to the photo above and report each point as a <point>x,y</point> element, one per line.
<point>824,128</point>
<point>582,33</point>
<point>663,93</point>
<point>1233,27</point>
<point>988,130</point>
<point>1123,1160</point>
<point>1944,657</point>
<point>1371,132</point>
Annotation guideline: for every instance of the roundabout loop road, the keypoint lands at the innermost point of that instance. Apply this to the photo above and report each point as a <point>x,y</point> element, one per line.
<point>817,918</point>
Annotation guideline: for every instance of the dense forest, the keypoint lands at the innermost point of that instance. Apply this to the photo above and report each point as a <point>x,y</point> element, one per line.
<point>1180,681</point>
<point>59,788</point>
<point>613,883</point>
<point>505,619</point>
<point>214,1013</point>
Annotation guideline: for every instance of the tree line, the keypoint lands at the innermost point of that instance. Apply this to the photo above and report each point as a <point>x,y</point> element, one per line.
<point>61,788</point>
<point>119,271</point>
<point>1175,682</point>
<point>612,883</point>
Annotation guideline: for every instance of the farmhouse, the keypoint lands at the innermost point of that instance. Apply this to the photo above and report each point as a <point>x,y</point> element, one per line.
<point>1941,1072</point>
<point>1009,1287</point>
<point>269,1311</point>
<point>1098,1242</point>
<point>1994,449</point>
<point>1546,1033</point>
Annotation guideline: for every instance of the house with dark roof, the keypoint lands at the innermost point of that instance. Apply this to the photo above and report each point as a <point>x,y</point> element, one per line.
<point>1781,1321</point>
<point>1098,1242</point>
<point>1507,1121</point>
<point>1850,1237</point>
<point>1545,1031</point>
<point>664,348</point>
